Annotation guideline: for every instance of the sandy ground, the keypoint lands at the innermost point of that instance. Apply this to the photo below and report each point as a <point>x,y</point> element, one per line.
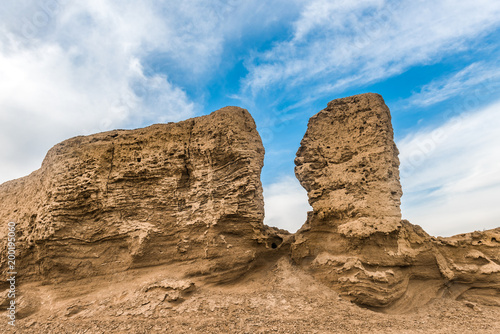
<point>279,298</point>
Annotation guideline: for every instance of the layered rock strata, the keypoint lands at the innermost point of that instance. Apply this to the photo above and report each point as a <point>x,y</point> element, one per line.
<point>181,205</point>
<point>354,239</point>
<point>188,192</point>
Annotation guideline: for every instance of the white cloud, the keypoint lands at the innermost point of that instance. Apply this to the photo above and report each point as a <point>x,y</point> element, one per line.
<point>341,44</point>
<point>476,79</point>
<point>69,68</point>
<point>76,68</point>
<point>332,14</point>
<point>286,204</point>
<point>450,174</point>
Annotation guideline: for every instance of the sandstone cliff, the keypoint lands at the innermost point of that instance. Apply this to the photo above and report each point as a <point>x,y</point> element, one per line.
<point>188,192</point>
<point>135,227</point>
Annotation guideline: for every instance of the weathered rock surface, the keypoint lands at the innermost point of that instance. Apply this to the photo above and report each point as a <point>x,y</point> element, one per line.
<point>348,163</point>
<point>470,265</point>
<point>188,192</point>
<point>279,298</point>
<point>354,239</point>
<point>129,229</point>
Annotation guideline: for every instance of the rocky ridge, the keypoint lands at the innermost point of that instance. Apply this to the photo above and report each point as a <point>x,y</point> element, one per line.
<point>178,207</point>
<point>186,192</point>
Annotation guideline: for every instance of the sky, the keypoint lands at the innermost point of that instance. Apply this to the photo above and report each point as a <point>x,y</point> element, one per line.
<point>72,68</point>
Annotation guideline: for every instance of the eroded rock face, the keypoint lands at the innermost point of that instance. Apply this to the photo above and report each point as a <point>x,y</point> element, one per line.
<point>348,163</point>
<point>354,239</point>
<point>180,205</point>
<point>470,264</point>
<point>187,192</point>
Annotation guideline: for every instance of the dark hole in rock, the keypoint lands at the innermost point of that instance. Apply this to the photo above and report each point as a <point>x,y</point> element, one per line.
<point>275,242</point>
<point>139,159</point>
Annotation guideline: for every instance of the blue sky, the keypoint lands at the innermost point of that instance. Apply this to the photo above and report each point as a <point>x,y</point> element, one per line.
<point>68,69</point>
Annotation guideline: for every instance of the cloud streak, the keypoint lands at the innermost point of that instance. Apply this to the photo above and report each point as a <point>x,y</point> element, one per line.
<point>370,40</point>
<point>477,77</point>
<point>450,174</point>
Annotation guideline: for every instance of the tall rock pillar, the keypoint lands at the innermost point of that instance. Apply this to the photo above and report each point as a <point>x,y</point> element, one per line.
<point>348,163</point>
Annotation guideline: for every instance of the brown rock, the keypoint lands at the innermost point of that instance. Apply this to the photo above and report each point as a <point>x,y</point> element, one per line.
<point>470,262</point>
<point>188,192</point>
<point>354,240</point>
<point>348,163</point>
<point>148,219</point>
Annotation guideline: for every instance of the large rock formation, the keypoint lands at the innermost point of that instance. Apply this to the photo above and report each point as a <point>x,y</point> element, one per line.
<point>188,192</point>
<point>354,239</point>
<point>348,163</point>
<point>149,219</point>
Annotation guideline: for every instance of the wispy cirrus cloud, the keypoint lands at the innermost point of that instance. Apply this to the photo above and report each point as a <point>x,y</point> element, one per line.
<point>450,173</point>
<point>337,45</point>
<point>473,79</point>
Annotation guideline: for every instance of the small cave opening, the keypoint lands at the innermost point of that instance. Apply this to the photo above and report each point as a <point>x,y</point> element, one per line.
<point>139,159</point>
<point>275,242</point>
